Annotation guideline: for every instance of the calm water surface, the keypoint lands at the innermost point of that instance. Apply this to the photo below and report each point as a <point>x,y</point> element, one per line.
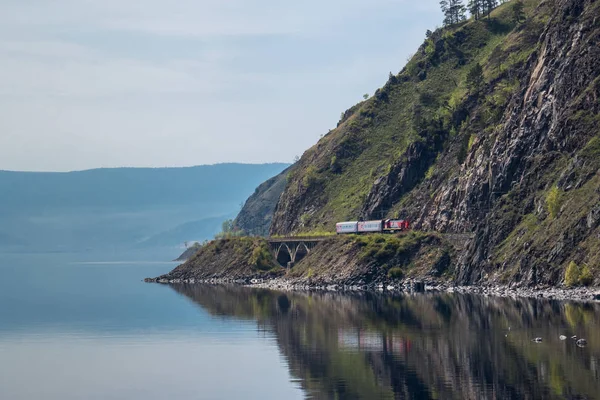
<point>75,327</point>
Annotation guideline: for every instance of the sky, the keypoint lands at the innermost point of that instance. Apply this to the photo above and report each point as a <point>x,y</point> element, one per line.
<point>152,83</point>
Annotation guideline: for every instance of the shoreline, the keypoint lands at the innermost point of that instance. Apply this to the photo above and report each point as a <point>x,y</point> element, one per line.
<point>579,294</point>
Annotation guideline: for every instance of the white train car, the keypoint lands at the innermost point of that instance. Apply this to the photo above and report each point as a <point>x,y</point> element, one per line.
<point>370,226</point>
<point>346,227</point>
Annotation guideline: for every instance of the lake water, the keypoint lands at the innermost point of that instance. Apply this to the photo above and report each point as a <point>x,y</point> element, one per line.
<point>87,327</point>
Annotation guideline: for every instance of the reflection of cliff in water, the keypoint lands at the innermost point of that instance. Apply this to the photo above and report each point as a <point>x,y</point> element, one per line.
<point>426,346</point>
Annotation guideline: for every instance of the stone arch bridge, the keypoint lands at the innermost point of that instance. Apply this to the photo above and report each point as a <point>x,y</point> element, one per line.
<point>289,250</point>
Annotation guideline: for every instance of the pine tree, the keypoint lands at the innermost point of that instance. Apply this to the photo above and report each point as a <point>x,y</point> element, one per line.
<point>454,11</point>
<point>476,8</point>
<point>458,10</point>
<point>488,6</point>
<point>517,11</point>
<point>445,9</point>
<point>475,79</point>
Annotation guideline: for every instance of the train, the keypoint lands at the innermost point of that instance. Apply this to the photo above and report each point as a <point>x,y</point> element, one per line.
<point>376,226</point>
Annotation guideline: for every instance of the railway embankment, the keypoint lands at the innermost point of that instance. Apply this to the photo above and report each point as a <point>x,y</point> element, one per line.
<point>350,260</point>
<point>412,261</point>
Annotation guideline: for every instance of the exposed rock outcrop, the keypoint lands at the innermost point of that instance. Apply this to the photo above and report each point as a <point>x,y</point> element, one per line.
<point>257,213</point>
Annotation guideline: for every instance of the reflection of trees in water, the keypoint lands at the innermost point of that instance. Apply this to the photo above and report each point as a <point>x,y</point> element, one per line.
<point>426,346</point>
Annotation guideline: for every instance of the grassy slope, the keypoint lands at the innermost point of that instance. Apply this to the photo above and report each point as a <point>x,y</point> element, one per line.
<point>338,172</point>
<point>376,258</point>
<point>231,258</point>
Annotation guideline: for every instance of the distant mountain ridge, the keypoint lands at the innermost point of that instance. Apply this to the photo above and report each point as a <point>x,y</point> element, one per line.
<point>127,186</point>
<point>123,207</point>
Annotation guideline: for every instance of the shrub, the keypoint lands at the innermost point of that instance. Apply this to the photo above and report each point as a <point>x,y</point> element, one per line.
<point>395,273</point>
<point>429,48</point>
<point>261,257</point>
<point>334,164</point>
<point>386,252</point>
<point>553,201</point>
<point>310,177</point>
<point>475,78</point>
<point>572,274</point>
<point>592,149</point>
<point>461,155</point>
<point>471,141</point>
<point>427,98</point>
<point>585,277</point>
<point>430,172</point>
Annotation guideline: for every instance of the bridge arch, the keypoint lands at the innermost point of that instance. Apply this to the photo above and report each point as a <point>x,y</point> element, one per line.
<point>291,250</point>
<point>283,254</point>
<point>302,251</point>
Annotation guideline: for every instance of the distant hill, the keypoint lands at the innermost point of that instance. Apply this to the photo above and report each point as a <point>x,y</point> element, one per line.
<point>191,231</point>
<point>122,207</point>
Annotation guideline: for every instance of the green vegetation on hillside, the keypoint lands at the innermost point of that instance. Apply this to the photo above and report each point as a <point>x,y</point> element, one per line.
<point>372,258</point>
<point>229,258</point>
<point>430,101</point>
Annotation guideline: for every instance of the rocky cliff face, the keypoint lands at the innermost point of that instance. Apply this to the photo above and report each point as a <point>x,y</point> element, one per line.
<point>514,158</point>
<point>257,213</point>
<point>540,147</point>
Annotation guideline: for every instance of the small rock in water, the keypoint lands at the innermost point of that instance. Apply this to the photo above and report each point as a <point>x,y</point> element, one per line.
<point>581,342</point>
<point>537,340</point>
<point>562,337</point>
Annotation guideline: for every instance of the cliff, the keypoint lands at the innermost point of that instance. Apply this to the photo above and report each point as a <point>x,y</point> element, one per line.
<point>491,129</point>
<point>257,212</point>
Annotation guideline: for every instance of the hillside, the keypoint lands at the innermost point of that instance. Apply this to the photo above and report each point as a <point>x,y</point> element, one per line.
<point>230,259</point>
<point>509,151</point>
<point>256,215</point>
<point>123,207</point>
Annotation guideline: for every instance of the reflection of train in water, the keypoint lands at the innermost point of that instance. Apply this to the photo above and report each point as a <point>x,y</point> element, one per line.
<point>380,225</point>
<point>358,339</point>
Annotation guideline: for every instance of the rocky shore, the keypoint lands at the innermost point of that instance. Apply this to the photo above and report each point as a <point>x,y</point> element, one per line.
<point>581,294</point>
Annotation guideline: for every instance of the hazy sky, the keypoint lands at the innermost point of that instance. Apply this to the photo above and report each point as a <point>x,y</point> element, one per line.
<point>105,83</point>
